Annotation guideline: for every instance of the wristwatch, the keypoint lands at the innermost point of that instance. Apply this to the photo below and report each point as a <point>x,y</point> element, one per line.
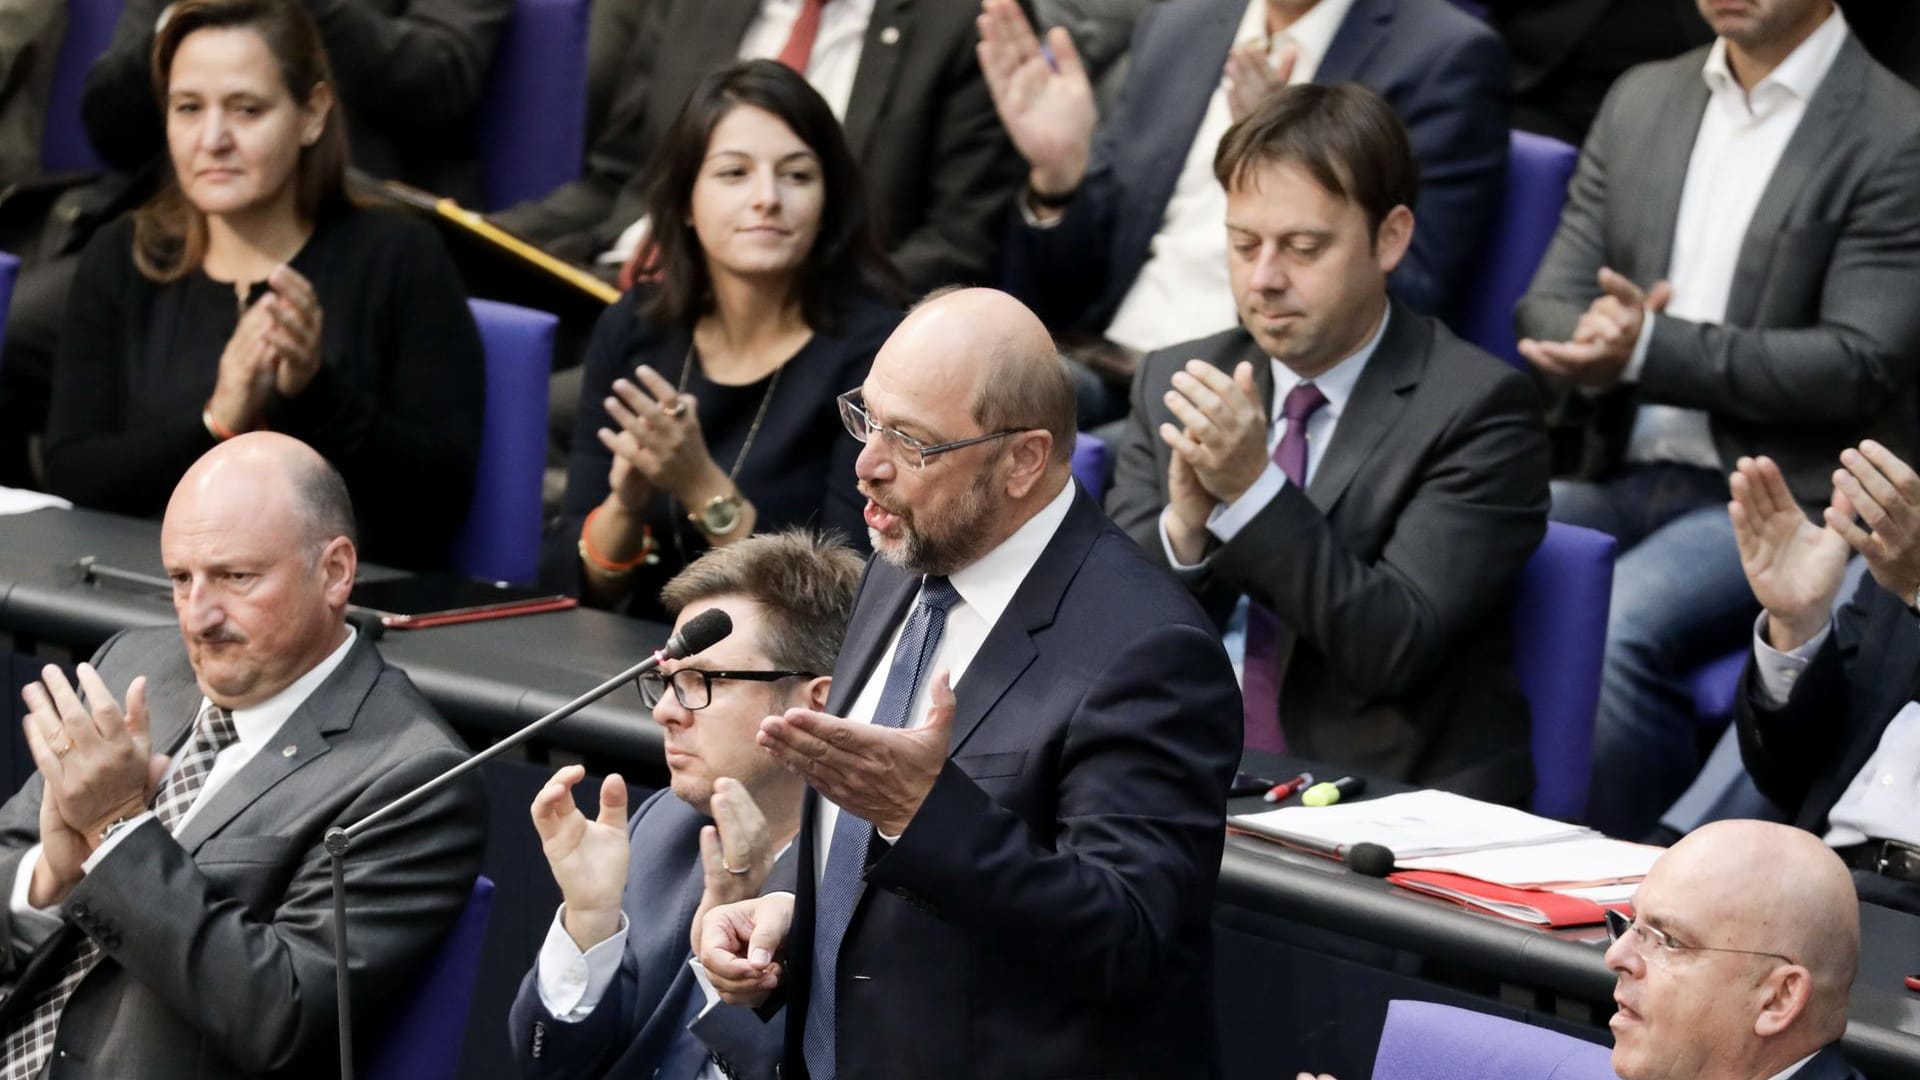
<point>720,516</point>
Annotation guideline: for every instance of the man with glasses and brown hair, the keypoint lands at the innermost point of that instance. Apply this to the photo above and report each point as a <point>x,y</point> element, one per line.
<point>1738,961</point>
<point>612,993</point>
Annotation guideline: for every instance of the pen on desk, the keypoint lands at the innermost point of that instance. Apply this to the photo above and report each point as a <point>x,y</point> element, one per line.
<point>1247,784</point>
<point>1913,983</point>
<point>1285,790</point>
<point>1334,790</point>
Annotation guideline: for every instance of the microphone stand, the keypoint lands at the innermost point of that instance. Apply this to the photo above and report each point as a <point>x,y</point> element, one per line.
<point>339,841</point>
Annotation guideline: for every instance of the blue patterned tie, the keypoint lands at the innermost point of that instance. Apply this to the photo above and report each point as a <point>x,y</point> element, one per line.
<point>845,875</point>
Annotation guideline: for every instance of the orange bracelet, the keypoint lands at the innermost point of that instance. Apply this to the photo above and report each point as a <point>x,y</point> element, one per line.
<point>214,427</point>
<point>609,566</point>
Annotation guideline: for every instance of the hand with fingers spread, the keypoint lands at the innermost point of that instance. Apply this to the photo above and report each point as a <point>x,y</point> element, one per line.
<point>736,851</point>
<point>96,762</point>
<point>1793,565</point>
<point>588,858</point>
<point>742,946</point>
<point>1250,77</point>
<point>878,774</point>
<point>295,333</point>
<point>657,443</point>
<point>1883,493</point>
<point>1045,104</point>
<point>1225,434</point>
<point>1606,335</point>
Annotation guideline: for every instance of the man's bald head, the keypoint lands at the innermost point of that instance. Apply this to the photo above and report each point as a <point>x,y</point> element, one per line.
<point>258,542</point>
<point>1016,380</point>
<point>1753,938</point>
<point>1780,887</point>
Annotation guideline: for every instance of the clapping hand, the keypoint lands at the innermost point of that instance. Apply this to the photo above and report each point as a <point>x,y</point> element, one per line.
<point>656,442</point>
<point>1604,338</point>
<point>1793,565</point>
<point>588,858</point>
<point>1046,104</point>
<point>295,333</point>
<point>736,851</point>
<point>1882,491</point>
<point>1250,78</point>
<point>1225,434</point>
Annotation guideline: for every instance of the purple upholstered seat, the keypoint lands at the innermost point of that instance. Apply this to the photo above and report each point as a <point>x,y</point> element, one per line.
<point>1559,639</point>
<point>1424,1041</point>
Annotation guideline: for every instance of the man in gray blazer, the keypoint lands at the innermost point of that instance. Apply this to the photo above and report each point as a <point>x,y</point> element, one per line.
<point>170,912</point>
<point>612,992</point>
<point>1369,482</point>
<point>1733,276</point>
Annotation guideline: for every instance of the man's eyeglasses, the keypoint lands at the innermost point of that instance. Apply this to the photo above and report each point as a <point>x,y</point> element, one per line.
<point>905,449</point>
<point>693,688</point>
<point>1659,946</point>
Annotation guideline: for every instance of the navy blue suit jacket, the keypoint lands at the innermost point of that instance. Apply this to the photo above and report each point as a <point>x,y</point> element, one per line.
<point>1048,911</point>
<point>1805,753</point>
<point>1443,71</point>
<point>644,1011</point>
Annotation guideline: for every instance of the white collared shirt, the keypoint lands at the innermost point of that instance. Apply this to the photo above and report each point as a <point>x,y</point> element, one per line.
<point>831,67</point>
<point>1881,800</point>
<point>1336,383</point>
<point>254,727</point>
<point>986,587</point>
<point>1182,291</point>
<point>1741,139</point>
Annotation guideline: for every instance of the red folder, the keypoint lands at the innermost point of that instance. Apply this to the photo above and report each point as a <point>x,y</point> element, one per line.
<point>1537,906</point>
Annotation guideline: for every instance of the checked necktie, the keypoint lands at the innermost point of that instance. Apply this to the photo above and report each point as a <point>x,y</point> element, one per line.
<point>1260,681</point>
<point>28,1046</point>
<point>845,875</point>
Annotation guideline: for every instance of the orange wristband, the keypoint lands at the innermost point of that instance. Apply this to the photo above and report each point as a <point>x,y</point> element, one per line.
<point>214,427</point>
<point>606,565</point>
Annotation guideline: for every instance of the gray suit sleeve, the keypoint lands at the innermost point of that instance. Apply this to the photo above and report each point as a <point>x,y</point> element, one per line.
<point>1456,546</point>
<point>262,990</point>
<point>1567,279</point>
<point>1860,346</point>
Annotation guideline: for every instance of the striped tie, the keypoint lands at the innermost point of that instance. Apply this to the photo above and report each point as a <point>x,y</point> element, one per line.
<point>29,1046</point>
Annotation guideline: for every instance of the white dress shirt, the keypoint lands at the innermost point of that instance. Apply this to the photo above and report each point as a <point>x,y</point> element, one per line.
<point>986,586</point>
<point>1742,135</point>
<point>1182,291</point>
<point>830,69</point>
<point>1336,383</point>
<point>255,728</point>
<point>1881,801</point>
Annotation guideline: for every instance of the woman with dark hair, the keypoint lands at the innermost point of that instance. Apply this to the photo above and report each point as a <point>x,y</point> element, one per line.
<point>251,293</point>
<point>707,407</point>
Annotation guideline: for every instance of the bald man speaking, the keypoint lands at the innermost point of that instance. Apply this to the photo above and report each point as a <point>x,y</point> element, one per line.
<point>1738,961</point>
<point>170,914</point>
<point>1018,786</point>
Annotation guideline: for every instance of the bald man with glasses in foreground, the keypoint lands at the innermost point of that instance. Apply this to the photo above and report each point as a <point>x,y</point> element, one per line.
<point>1738,961</point>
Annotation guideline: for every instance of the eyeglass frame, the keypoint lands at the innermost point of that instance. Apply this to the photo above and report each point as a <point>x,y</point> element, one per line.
<point>1619,926</point>
<point>706,680</point>
<point>849,409</point>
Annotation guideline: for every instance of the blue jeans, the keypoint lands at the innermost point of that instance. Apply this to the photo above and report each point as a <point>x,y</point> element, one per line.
<point>1679,600</point>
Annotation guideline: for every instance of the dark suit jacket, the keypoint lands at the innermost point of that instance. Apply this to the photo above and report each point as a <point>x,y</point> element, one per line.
<point>408,72</point>
<point>219,942</point>
<point>1442,70</point>
<point>1047,913</point>
<point>1394,568</point>
<point>938,167</point>
<point>647,1006</point>
<point>1804,754</point>
<point>1828,1065</point>
<point>1820,342</point>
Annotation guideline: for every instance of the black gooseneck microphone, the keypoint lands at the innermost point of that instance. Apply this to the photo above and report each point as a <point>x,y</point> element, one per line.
<point>700,634</point>
<point>1373,860</point>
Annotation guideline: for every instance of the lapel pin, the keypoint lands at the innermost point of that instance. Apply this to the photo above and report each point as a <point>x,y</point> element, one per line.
<point>289,750</point>
<point>890,36</point>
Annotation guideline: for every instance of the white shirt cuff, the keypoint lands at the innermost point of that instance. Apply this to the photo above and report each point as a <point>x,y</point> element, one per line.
<point>1032,218</point>
<point>706,985</point>
<point>1181,570</point>
<point>1226,521</point>
<point>571,982</point>
<point>31,925</point>
<point>1778,671</point>
<point>1639,358</point>
<point>100,853</point>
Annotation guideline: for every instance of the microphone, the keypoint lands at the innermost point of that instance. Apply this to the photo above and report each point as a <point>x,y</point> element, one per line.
<point>1373,860</point>
<point>701,633</point>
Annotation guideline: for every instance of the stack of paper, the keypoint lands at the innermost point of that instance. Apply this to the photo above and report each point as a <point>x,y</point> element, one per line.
<point>1564,865</point>
<point>1412,825</point>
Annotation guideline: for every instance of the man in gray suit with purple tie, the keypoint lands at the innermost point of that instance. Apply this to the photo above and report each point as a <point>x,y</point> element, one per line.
<point>1369,482</point>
